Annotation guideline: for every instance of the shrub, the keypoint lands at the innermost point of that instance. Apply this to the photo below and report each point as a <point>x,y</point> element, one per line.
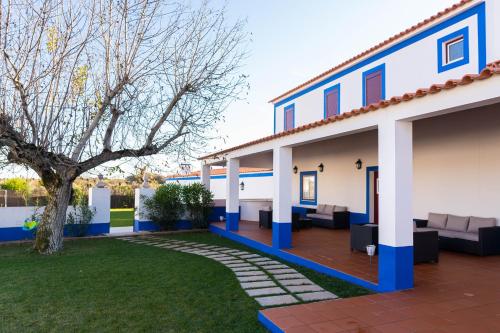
<point>198,202</point>
<point>79,219</point>
<point>165,206</point>
<point>19,185</point>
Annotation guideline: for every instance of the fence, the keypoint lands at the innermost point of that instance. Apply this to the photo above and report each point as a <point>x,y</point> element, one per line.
<point>10,198</point>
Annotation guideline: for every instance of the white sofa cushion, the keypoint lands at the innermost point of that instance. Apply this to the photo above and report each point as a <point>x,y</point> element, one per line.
<point>340,209</point>
<point>480,222</point>
<point>328,210</point>
<point>437,221</point>
<point>457,223</point>
<point>320,209</point>
<point>458,234</point>
<point>319,216</point>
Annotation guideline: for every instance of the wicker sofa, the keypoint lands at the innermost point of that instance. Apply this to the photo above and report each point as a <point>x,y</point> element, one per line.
<point>330,216</point>
<point>474,235</point>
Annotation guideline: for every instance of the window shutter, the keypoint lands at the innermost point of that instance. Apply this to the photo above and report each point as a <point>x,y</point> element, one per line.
<point>332,103</point>
<point>289,119</point>
<point>373,92</point>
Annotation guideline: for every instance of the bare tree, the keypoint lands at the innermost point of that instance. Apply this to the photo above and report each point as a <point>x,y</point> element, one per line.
<point>86,82</point>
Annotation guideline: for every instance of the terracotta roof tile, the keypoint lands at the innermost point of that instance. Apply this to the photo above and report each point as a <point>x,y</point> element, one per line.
<point>375,48</point>
<point>490,70</point>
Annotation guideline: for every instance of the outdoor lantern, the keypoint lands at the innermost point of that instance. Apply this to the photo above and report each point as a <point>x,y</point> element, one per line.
<point>359,164</point>
<point>321,167</point>
<point>242,186</point>
<point>295,169</point>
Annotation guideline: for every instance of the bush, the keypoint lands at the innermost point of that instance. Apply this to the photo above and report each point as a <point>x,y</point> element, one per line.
<point>165,206</point>
<point>19,185</point>
<point>198,203</point>
<point>79,219</point>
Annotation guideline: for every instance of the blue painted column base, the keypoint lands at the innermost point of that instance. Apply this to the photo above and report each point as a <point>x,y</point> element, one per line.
<point>232,221</point>
<point>282,235</point>
<point>395,267</point>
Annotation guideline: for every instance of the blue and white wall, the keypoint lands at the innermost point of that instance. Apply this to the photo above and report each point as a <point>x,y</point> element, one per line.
<point>409,64</point>
<point>12,218</point>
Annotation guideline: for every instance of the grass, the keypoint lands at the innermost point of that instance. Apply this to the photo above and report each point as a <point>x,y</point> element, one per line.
<point>108,285</point>
<point>339,287</point>
<point>122,217</point>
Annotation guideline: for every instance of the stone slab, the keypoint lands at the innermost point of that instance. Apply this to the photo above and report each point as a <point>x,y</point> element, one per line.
<point>281,271</point>
<point>304,288</point>
<point>317,296</point>
<point>259,260</point>
<point>295,282</point>
<point>288,276</point>
<point>268,263</point>
<point>248,256</point>
<point>276,300</point>
<point>265,291</point>
<point>276,267</point>
<point>259,284</point>
<point>233,262</point>
<point>243,269</point>
<point>253,278</point>
<point>249,273</point>
<point>242,264</point>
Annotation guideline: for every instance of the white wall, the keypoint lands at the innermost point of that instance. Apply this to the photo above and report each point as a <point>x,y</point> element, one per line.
<point>255,187</point>
<point>406,70</point>
<point>457,164</point>
<point>340,183</point>
<point>15,216</point>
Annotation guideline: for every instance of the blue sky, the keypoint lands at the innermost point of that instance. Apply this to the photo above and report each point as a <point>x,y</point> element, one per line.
<point>294,40</point>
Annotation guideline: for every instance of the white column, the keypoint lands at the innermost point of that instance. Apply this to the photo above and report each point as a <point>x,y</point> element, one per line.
<point>282,197</point>
<point>100,200</point>
<point>232,194</point>
<point>395,154</point>
<point>205,175</point>
<point>141,220</point>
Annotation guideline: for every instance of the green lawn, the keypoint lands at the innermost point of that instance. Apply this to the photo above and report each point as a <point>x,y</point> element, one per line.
<point>122,217</point>
<point>107,285</point>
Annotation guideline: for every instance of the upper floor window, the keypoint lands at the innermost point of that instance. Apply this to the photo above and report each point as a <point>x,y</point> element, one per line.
<point>374,85</point>
<point>308,187</point>
<point>453,50</point>
<point>332,101</point>
<point>289,117</point>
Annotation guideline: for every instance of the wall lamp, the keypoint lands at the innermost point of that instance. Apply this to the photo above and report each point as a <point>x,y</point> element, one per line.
<point>295,169</point>
<point>359,164</point>
<point>242,186</point>
<point>321,167</point>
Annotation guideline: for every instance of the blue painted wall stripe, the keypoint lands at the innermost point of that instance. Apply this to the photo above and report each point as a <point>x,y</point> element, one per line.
<point>242,175</point>
<point>478,10</point>
<point>272,327</point>
<point>17,233</point>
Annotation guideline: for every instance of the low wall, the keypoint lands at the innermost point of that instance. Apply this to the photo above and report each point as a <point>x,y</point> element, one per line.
<point>12,218</point>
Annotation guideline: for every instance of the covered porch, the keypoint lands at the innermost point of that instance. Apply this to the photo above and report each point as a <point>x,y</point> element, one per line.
<point>418,150</point>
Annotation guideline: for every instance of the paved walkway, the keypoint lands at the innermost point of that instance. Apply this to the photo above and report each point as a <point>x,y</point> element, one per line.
<point>269,282</point>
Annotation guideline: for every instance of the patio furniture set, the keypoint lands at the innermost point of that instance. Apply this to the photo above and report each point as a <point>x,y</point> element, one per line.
<point>473,235</point>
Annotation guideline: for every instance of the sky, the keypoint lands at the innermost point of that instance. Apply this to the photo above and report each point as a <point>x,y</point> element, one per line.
<point>292,41</point>
<point>295,40</point>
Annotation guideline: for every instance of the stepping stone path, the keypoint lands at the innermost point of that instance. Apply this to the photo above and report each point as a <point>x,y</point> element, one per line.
<point>269,282</point>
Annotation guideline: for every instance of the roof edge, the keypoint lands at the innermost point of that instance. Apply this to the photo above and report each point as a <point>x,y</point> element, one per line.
<point>375,48</point>
<point>491,69</point>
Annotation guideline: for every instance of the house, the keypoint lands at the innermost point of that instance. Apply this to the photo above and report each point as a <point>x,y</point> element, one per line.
<point>408,127</point>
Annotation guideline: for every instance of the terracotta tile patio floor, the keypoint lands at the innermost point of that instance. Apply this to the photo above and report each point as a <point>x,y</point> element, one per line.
<point>459,294</point>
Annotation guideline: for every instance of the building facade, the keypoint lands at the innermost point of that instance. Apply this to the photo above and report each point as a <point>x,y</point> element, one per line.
<point>409,127</point>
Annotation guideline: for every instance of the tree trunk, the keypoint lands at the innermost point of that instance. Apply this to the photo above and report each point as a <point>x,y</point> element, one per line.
<point>49,236</point>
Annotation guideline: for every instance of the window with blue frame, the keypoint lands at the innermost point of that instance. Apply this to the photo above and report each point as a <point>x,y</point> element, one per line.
<point>289,117</point>
<point>453,50</point>
<point>308,187</point>
<point>331,101</point>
